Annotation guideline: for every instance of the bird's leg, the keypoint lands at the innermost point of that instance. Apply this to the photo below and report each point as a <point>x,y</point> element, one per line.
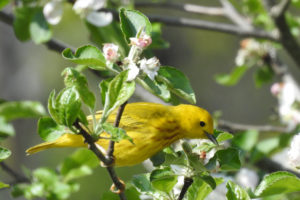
<point>118,191</point>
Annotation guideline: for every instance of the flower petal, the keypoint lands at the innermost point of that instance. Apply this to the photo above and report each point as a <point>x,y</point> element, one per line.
<point>99,18</point>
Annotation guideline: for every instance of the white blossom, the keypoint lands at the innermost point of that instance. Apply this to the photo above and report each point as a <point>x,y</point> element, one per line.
<point>251,50</point>
<point>99,18</point>
<point>150,67</point>
<point>53,11</point>
<point>83,7</point>
<point>133,71</point>
<point>142,41</point>
<point>294,151</point>
<point>88,9</point>
<point>110,52</point>
<point>288,95</point>
<point>247,178</point>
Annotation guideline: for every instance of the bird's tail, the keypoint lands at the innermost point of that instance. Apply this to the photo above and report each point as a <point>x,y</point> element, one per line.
<point>67,140</point>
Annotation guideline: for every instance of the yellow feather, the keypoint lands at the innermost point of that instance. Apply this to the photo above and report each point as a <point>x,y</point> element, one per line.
<point>151,126</point>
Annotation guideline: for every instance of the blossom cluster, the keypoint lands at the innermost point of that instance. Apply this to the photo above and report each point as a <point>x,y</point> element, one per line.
<point>53,11</point>
<point>288,95</point>
<point>251,52</point>
<point>133,62</point>
<point>294,151</point>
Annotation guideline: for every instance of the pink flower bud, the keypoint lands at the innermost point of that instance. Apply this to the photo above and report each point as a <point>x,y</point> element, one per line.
<point>111,52</point>
<point>142,41</point>
<point>276,88</point>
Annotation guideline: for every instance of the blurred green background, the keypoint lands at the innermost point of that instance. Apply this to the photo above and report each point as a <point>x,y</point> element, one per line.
<point>30,72</point>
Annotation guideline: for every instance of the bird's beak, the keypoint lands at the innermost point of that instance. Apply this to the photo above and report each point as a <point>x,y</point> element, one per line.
<point>211,137</point>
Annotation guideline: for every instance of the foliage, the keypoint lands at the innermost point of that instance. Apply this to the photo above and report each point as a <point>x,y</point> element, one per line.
<point>208,165</point>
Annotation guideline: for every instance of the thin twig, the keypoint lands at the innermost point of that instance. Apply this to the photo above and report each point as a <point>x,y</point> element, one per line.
<point>213,26</point>
<point>110,150</point>
<point>234,16</point>
<point>235,127</point>
<point>191,8</point>
<point>92,146</point>
<point>187,183</point>
<point>18,177</point>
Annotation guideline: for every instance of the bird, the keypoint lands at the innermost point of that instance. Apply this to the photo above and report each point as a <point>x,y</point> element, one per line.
<point>151,126</point>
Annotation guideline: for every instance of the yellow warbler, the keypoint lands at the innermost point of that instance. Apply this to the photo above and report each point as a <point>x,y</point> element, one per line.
<point>151,126</point>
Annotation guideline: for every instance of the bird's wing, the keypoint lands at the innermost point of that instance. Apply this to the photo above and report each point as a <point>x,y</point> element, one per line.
<point>138,116</point>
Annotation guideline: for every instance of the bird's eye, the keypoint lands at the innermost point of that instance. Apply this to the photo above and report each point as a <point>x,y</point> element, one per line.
<point>202,123</point>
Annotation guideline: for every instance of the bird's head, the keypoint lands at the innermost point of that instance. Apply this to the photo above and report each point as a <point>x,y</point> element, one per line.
<point>196,122</point>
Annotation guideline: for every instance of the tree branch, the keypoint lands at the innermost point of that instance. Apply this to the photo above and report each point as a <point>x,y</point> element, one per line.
<point>191,8</point>
<point>213,26</point>
<point>187,183</point>
<point>279,9</point>
<point>270,166</point>
<point>93,147</point>
<point>110,150</point>
<point>18,177</point>
<point>234,16</point>
<point>235,127</point>
<point>286,38</point>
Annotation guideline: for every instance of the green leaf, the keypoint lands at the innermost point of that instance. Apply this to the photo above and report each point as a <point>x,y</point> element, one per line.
<point>82,157</point>
<point>235,192</point>
<point>45,175</point>
<point>21,109</point>
<point>232,78</point>
<point>19,189</point>
<point>86,55</point>
<point>39,29</point>
<point>78,172</point>
<point>156,88</point>
<point>53,110</point>
<point>278,183</point>
<point>142,183</point>
<point>158,159</point>
<point>177,82</point>
<point>209,180</point>
<point>117,134</point>
<point>268,145</point>
<point>224,136</point>
<point>3,3</point>
<point>229,159</point>
<point>6,129</point>
<point>3,185</point>
<point>296,3</point>
<point>246,140</point>
<point>74,78</point>
<point>133,21</point>
<point>49,130</point>
<point>163,179</point>
<point>119,91</point>
<point>22,21</point>
<point>68,106</point>
<point>263,75</point>
<point>104,88</point>
<point>4,153</point>
<point>200,189</point>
